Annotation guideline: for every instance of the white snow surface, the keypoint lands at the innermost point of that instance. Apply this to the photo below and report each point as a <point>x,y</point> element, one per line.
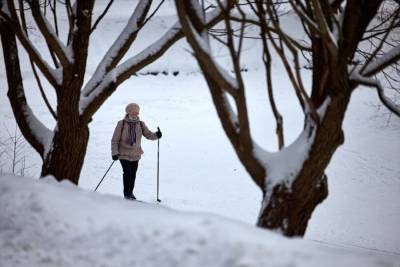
<point>46,223</point>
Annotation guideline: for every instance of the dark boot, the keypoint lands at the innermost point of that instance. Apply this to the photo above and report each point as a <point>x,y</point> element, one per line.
<point>130,197</point>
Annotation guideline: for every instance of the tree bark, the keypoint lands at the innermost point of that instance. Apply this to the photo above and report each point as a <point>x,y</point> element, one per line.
<point>289,210</point>
<point>66,156</point>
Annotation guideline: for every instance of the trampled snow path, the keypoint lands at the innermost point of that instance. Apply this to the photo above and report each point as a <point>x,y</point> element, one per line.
<point>46,223</point>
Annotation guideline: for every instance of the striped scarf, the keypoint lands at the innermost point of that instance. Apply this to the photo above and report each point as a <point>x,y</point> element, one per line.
<point>132,122</point>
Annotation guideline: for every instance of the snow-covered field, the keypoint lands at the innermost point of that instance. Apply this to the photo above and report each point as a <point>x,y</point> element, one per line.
<point>62,226</point>
<point>200,172</point>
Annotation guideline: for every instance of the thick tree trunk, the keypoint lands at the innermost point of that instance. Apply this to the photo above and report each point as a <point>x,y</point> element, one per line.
<point>288,210</point>
<point>66,156</point>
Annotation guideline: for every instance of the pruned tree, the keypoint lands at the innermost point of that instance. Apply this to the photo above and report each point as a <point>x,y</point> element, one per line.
<point>293,180</point>
<point>63,148</point>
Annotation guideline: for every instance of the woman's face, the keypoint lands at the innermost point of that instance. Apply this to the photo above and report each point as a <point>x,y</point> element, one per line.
<point>133,113</point>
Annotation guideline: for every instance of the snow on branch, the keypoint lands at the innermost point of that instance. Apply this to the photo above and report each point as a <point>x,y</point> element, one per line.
<point>201,47</point>
<point>284,166</point>
<point>143,58</point>
<point>39,130</point>
<point>308,21</point>
<point>54,76</point>
<point>119,47</point>
<point>232,116</point>
<point>227,80</point>
<point>50,35</point>
<point>357,77</point>
<point>117,75</point>
<point>329,37</point>
<point>382,62</point>
<point>320,25</point>
<point>33,130</point>
<point>11,18</point>
<point>40,136</point>
<point>132,65</point>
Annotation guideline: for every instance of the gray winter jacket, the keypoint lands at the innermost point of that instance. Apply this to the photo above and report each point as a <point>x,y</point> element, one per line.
<point>119,144</point>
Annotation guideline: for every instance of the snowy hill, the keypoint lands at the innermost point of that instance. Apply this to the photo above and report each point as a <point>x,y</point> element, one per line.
<point>46,223</point>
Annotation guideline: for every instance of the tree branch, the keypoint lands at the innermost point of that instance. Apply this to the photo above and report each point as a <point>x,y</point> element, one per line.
<point>120,45</point>
<point>50,35</point>
<point>32,129</point>
<point>294,76</point>
<point>23,21</point>
<point>55,17</point>
<point>200,46</point>
<point>89,104</point>
<point>380,63</point>
<point>267,64</point>
<point>382,41</point>
<point>80,35</point>
<point>13,21</point>
<point>235,126</point>
<point>154,12</point>
<point>325,32</point>
<point>239,97</point>
<point>386,101</point>
<point>101,16</point>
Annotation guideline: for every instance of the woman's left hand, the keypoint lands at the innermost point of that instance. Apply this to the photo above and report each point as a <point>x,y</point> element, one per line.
<point>158,133</point>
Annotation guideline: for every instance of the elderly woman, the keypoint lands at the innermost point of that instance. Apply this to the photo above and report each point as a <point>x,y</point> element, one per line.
<point>125,145</point>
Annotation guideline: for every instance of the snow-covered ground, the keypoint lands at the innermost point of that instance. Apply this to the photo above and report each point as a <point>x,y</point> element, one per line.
<point>200,172</point>
<point>53,224</point>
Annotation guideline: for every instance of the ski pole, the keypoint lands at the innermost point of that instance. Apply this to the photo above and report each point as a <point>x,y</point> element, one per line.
<point>104,176</point>
<point>158,167</point>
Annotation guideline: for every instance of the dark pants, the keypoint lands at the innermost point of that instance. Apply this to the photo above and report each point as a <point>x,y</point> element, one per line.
<point>129,168</point>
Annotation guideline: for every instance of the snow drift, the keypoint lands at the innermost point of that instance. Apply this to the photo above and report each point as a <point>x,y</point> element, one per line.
<point>46,223</point>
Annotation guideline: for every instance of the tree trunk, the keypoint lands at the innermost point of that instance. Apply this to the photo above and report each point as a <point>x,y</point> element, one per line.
<point>66,156</point>
<point>288,210</point>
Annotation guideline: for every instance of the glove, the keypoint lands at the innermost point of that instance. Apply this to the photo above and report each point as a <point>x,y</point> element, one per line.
<point>158,133</point>
<point>115,157</point>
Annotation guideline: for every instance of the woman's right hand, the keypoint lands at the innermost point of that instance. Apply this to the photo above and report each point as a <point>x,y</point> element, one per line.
<point>115,157</point>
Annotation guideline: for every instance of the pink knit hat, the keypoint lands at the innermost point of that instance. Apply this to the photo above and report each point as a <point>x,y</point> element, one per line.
<point>133,107</point>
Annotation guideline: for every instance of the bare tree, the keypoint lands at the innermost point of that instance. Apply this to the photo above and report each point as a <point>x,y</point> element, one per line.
<point>293,180</point>
<point>13,152</point>
<point>2,153</point>
<point>63,149</point>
